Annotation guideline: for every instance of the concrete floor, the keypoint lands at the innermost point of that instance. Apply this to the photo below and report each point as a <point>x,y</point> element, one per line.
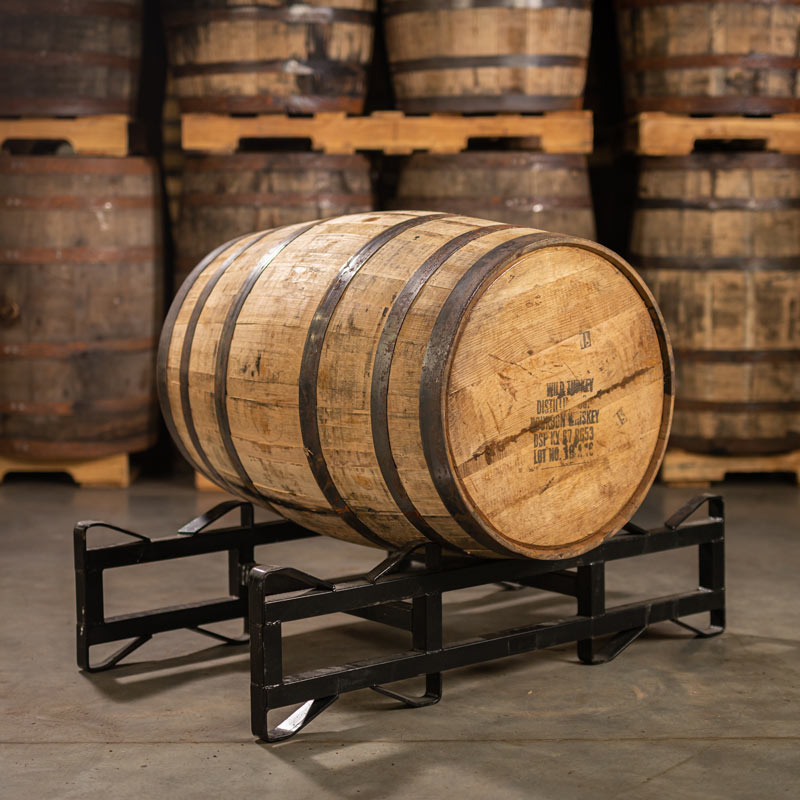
<point>672,717</point>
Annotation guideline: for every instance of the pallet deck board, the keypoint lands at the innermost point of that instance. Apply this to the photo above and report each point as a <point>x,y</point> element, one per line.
<point>106,472</point>
<point>657,133</point>
<point>102,135</point>
<point>203,484</point>
<point>392,132</point>
<point>681,468</point>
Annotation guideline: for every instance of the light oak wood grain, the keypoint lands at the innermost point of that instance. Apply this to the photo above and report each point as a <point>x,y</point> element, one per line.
<point>98,473</point>
<point>102,135</point>
<point>681,468</point>
<point>555,401</point>
<point>392,132</point>
<point>655,133</point>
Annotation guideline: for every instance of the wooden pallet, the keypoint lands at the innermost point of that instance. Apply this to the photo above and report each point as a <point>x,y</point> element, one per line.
<point>95,473</point>
<point>681,468</point>
<point>655,133</point>
<point>203,484</point>
<point>392,132</point>
<point>105,135</point>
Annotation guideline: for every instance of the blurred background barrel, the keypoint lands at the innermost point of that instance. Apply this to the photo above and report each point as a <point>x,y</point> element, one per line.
<point>396,377</point>
<point>717,239</point>
<point>536,190</point>
<point>225,196</point>
<point>256,57</point>
<point>81,305</point>
<point>712,56</point>
<point>487,55</point>
<point>69,58</point>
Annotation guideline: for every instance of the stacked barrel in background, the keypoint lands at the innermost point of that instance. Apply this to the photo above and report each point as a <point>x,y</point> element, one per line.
<point>258,57</point>
<point>69,58</point>
<point>710,56</point>
<point>81,243</point>
<point>547,190</point>
<point>485,56</point>
<point>717,234</point>
<point>228,57</point>
<point>226,196</point>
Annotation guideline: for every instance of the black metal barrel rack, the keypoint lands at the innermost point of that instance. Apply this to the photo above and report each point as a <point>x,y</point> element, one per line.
<point>403,591</point>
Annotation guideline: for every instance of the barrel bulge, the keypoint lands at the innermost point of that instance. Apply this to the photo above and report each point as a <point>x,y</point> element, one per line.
<point>718,240</point>
<point>408,376</point>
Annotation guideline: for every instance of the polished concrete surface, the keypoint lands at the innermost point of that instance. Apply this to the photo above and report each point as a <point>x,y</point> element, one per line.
<point>673,716</point>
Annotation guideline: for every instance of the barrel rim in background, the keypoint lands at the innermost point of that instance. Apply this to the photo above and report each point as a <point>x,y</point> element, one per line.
<point>499,188</point>
<point>193,237</point>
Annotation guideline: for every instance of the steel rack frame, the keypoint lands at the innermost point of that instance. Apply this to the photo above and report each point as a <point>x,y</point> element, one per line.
<point>403,591</point>
<point>279,595</point>
<point>192,539</point>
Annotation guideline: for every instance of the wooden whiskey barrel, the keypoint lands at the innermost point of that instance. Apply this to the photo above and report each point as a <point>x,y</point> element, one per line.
<point>711,56</point>
<point>488,55</point>
<point>394,377</point>
<point>718,239</point>
<point>537,190</point>
<point>224,196</point>
<point>69,58</point>
<point>80,305</point>
<point>259,56</point>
